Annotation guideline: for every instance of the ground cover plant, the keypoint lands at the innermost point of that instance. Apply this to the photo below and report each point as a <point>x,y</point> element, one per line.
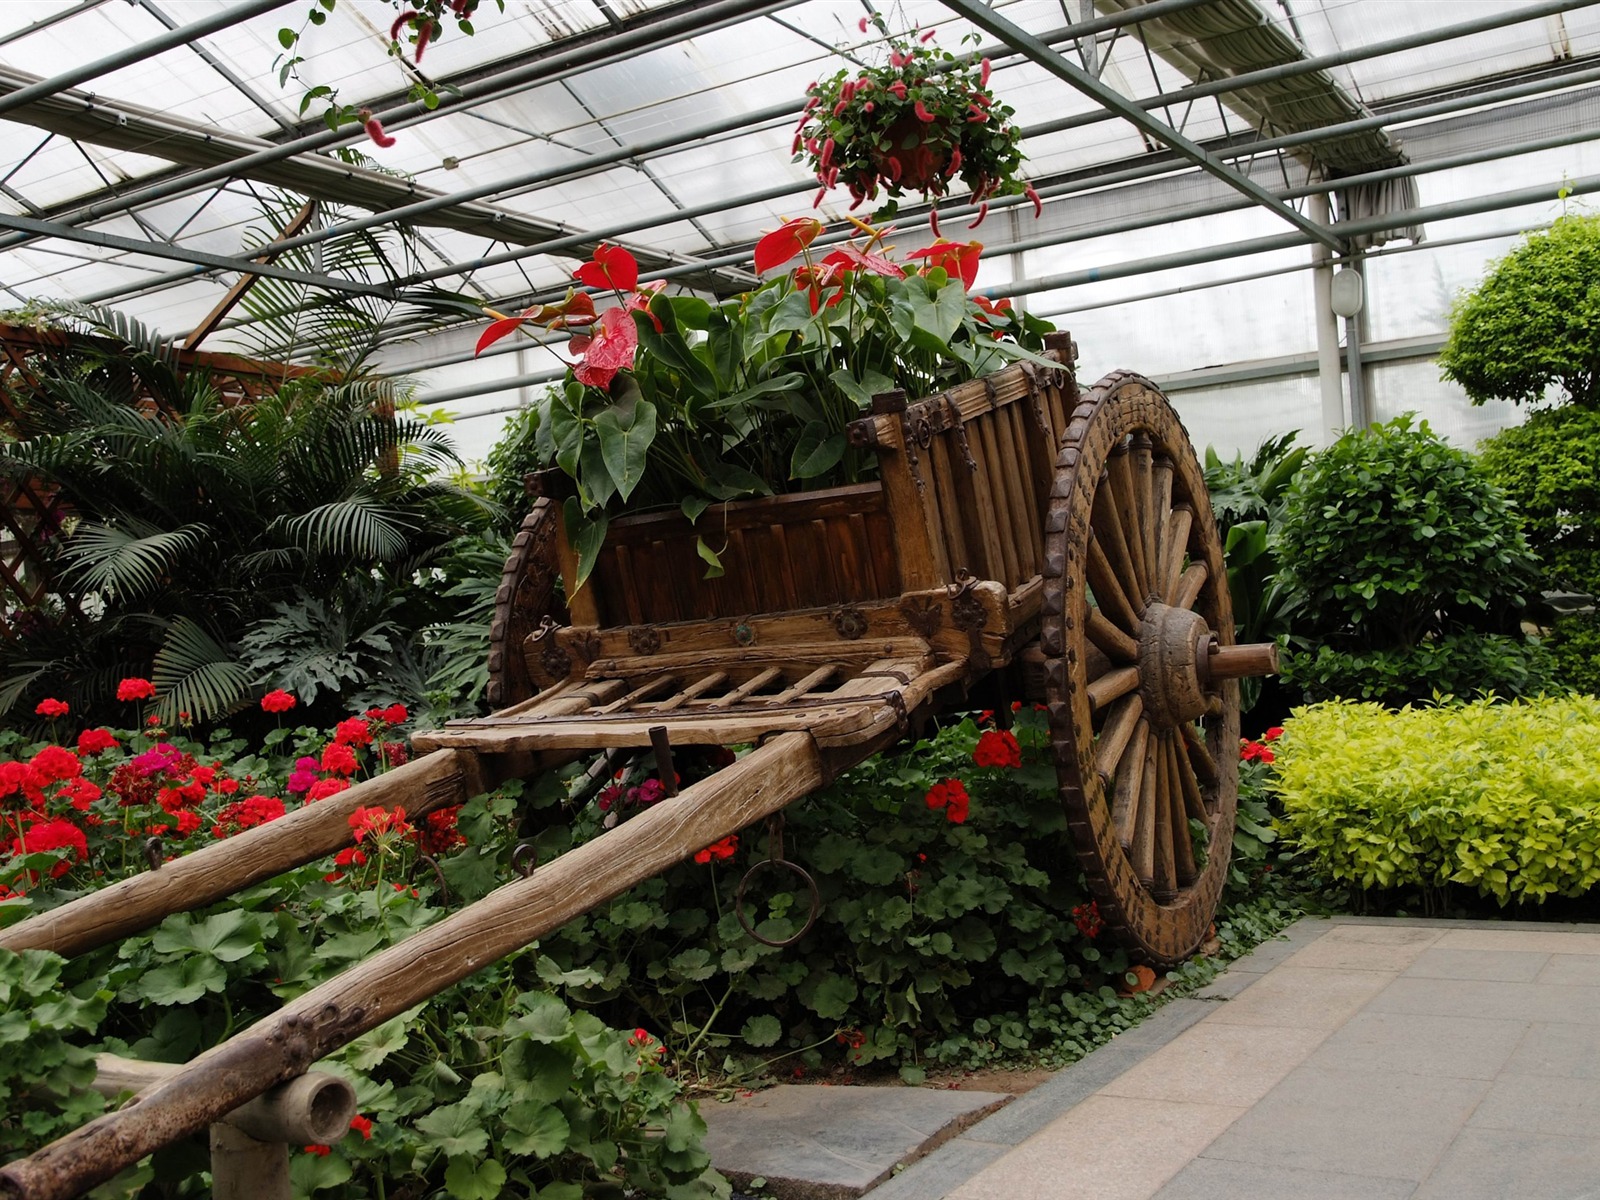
<point>1410,573</point>
<point>1497,799</point>
<point>955,932</point>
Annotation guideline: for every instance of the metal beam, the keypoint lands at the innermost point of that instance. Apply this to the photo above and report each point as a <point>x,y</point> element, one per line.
<point>985,18</point>
<point>216,262</point>
<point>43,23</point>
<point>222,19</point>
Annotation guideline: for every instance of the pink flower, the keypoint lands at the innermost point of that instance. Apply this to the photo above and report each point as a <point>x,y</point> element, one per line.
<point>610,350</point>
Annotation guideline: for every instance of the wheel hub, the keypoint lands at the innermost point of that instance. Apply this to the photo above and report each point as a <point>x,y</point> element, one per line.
<point>1174,665</point>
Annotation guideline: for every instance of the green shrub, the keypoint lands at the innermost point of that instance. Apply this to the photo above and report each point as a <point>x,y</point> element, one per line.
<point>1534,321</point>
<point>1574,644</point>
<point>1501,798</point>
<point>1549,467</point>
<point>1400,550</point>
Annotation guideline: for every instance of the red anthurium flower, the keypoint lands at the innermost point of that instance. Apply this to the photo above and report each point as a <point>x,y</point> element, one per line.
<point>959,259</point>
<point>640,301</point>
<point>613,267</point>
<point>609,350</point>
<point>784,242</point>
<point>849,257</point>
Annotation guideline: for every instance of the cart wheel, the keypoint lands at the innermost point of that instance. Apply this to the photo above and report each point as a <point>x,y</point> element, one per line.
<point>1140,669</point>
<point>529,591</point>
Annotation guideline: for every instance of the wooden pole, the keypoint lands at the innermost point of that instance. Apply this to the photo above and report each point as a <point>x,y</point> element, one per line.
<point>433,781</point>
<point>284,1044</point>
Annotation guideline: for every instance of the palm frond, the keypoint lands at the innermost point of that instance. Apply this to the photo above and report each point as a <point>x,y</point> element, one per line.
<point>194,673</point>
<point>354,528</point>
<point>130,561</point>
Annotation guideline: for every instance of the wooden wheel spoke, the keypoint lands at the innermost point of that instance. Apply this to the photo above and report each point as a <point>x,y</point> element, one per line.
<point>1113,643</point>
<point>1200,755</point>
<point>1112,686</point>
<point>1144,825</point>
<point>1120,724</point>
<point>1108,590</point>
<point>1194,803</point>
<point>1124,504</point>
<point>1178,799</point>
<point>1147,512</point>
<point>1189,585</point>
<point>1130,781</point>
<point>1175,543</point>
<point>1161,486</point>
<point>1112,533</point>
<point>1166,872</point>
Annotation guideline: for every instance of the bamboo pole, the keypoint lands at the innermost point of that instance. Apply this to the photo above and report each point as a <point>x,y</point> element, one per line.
<point>286,1043</point>
<point>433,781</point>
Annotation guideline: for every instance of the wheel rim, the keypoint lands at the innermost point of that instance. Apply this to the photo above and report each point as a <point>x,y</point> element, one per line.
<point>529,591</point>
<point>1135,598</point>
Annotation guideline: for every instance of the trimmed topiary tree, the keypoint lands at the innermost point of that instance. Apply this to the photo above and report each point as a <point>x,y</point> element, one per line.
<point>1534,321</point>
<point>1411,573</point>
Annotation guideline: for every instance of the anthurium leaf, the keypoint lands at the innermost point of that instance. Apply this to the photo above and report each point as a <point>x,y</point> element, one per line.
<point>566,436</point>
<point>940,314</point>
<point>710,557</point>
<point>466,1179</point>
<point>534,1128</point>
<point>455,1129</point>
<point>625,443</point>
<point>587,533</point>
<point>693,506</point>
<point>816,451</point>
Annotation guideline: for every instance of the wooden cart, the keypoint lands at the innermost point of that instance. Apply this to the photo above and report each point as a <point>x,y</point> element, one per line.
<point>1058,543</point>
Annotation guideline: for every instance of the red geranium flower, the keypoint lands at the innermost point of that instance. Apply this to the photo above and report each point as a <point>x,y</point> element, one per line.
<point>278,701</point>
<point>361,1125</point>
<point>379,820</point>
<point>951,795</point>
<point>93,741</point>
<point>51,708</point>
<point>997,748</point>
<point>353,732</point>
<point>339,758</point>
<point>718,850</point>
<point>1272,734</point>
<point>324,788</point>
<point>54,835</point>
<point>55,763</point>
<point>135,689</point>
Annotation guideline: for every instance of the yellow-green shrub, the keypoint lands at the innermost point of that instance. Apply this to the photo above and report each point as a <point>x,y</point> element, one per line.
<point>1504,798</point>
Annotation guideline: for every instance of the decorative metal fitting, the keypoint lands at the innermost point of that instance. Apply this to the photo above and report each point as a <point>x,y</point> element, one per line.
<point>776,861</point>
<point>849,622</point>
<point>644,639</point>
<point>525,858</point>
<point>152,853</point>
<point>744,634</point>
<point>923,614</point>
<point>427,860</point>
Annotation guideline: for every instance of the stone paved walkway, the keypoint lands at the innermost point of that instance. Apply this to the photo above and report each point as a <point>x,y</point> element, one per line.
<point>1357,1059</point>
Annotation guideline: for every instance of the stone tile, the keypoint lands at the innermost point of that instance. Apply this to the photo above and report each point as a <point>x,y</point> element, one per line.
<point>1498,966</point>
<point>1227,985</point>
<point>1219,1064</point>
<point>1107,1148</point>
<point>1527,1002</point>
<point>1304,998</point>
<point>1531,1104</point>
<point>1391,1125</point>
<point>1577,942</point>
<point>1214,1179</point>
<point>936,1176</point>
<point>1415,1044</point>
<point>1365,948</point>
<point>1579,970</point>
<point>1497,1164</point>
<point>834,1142</point>
<point>1554,1049</point>
<point>1270,953</point>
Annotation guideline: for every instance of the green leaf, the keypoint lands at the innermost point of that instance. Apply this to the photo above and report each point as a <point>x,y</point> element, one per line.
<point>468,1180</point>
<point>181,982</point>
<point>455,1129</point>
<point>693,506</point>
<point>587,533</point>
<point>710,557</point>
<point>534,1128</point>
<point>626,445</point>
<point>761,1031</point>
<point>816,451</point>
<point>287,38</point>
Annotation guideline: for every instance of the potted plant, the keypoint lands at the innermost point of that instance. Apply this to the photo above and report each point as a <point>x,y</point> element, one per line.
<point>916,123</point>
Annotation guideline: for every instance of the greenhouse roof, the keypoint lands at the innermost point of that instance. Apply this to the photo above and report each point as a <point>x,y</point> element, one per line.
<point>150,148</point>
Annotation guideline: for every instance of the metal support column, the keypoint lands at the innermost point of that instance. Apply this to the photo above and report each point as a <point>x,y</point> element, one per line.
<point>1333,418</point>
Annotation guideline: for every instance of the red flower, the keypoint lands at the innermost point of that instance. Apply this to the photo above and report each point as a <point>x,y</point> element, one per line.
<point>188,822</point>
<point>1088,919</point>
<point>353,732</point>
<point>997,748</point>
<point>80,793</point>
<point>718,850</point>
<point>1272,734</point>
<point>55,763</point>
<point>613,267</point>
<point>339,758</point>
<point>610,350</point>
<point>575,311</point>
<point>278,701</point>
<point>375,131</point>
<point>439,834</point>
<point>959,259</point>
<point>394,753</point>
<point>54,835</point>
<point>135,689</point>
<point>319,1151</point>
<point>378,820</point>
<point>396,714</point>
<point>247,814</point>
<point>51,708</point>
<point>848,258</point>
<point>93,741</point>
<point>361,1125</point>
<point>951,795</point>
<point>1254,752</point>
<point>324,788</point>
<point>786,241</point>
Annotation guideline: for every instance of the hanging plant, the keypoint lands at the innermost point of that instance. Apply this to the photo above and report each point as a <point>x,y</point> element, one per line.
<point>916,124</point>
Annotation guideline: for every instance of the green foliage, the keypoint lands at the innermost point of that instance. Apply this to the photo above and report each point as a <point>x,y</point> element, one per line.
<point>1398,549</point>
<point>1500,798</point>
<point>45,1072</point>
<point>510,462</point>
<point>1574,645</point>
<point>1248,499</point>
<point>1532,324</point>
<point>1549,467</point>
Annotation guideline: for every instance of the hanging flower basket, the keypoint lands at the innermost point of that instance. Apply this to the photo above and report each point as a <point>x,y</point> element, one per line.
<point>917,124</point>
